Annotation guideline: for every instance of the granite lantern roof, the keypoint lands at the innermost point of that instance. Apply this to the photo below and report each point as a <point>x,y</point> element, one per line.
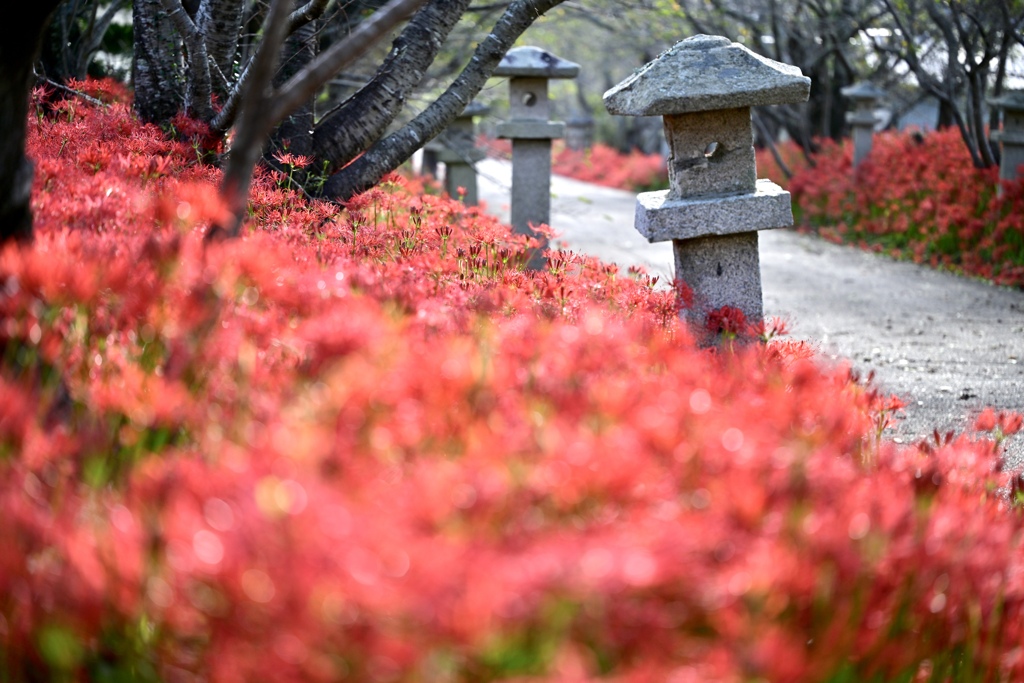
<point>705,73</point>
<point>533,62</point>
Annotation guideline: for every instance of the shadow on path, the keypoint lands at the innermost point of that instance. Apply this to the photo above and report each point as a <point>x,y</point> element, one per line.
<point>946,345</point>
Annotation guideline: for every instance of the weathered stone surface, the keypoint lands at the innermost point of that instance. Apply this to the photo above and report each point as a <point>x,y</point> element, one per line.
<point>861,118</point>
<point>704,73</point>
<point>531,189</point>
<point>528,99</point>
<point>531,130</point>
<point>722,271</point>
<point>661,217</point>
<point>528,70</point>
<point>711,153</point>
<point>529,61</point>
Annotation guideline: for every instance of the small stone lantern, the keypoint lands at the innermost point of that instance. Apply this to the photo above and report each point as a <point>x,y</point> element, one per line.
<point>704,88</point>
<point>579,133</point>
<point>459,153</point>
<point>1011,137</point>
<point>528,70</point>
<point>865,97</point>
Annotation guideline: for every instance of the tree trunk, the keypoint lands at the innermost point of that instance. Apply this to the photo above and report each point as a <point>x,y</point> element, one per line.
<point>156,63</point>
<point>387,154</point>
<point>218,22</point>
<point>19,46</point>
<point>356,124</point>
<point>295,133</point>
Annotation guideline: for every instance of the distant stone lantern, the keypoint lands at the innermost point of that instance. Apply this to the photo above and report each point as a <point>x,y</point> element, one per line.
<point>459,153</point>
<point>579,133</point>
<point>704,88</point>
<point>529,69</point>
<point>1011,137</point>
<point>865,97</point>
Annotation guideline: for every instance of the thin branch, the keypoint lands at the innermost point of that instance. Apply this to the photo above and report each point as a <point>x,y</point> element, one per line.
<point>388,153</point>
<point>253,125</point>
<point>304,84</point>
<point>101,26</point>
<point>61,86</point>
<point>311,11</point>
<point>365,116</point>
<point>769,142</point>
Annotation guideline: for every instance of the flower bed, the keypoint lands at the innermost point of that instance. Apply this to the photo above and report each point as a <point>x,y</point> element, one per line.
<point>604,165</point>
<point>920,198</point>
<point>364,444</point>
<point>601,165</point>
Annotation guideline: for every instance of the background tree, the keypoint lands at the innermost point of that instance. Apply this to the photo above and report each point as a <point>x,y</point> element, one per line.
<point>185,62</point>
<point>78,30</point>
<point>19,47</point>
<point>957,51</point>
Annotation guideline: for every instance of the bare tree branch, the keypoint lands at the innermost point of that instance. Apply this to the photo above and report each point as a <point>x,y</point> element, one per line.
<point>253,125</point>
<point>99,28</point>
<point>305,84</point>
<point>388,153</point>
<point>311,11</point>
<point>347,131</point>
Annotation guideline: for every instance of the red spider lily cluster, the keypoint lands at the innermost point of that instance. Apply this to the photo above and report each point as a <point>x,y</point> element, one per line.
<point>920,198</point>
<point>604,165</point>
<point>364,444</point>
<point>601,165</point>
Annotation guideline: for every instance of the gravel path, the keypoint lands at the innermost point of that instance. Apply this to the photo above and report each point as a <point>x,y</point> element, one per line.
<point>947,345</point>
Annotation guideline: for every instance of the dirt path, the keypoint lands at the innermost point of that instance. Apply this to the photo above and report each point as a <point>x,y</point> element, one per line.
<point>945,344</point>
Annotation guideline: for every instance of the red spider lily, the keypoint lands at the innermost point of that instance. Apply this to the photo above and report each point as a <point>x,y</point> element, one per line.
<point>1006,423</point>
<point>604,165</point>
<point>727,320</point>
<point>919,198</point>
<point>293,160</point>
<point>366,443</point>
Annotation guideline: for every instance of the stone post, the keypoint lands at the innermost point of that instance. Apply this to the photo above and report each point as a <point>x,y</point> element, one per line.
<point>704,88</point>
<point>459,153</point>
<point>528,70</point>
<point>865,97</point>
<point>1011,137</point>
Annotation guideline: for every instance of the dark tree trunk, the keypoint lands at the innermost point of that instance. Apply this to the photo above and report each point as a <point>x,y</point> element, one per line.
<point>295,133</point>
<point>19,47</point>
<point>946,115</point>
<point>344,133</point>
<point>156,63</point>
<point>218,21</point>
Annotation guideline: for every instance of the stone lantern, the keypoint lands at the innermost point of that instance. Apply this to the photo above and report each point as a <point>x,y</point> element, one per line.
<point>529,69</point>
<point>1011,137</point>
<point>865,97</point>
<point>579,132</point>
<point>459,153</point>
<point>704,88</point>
